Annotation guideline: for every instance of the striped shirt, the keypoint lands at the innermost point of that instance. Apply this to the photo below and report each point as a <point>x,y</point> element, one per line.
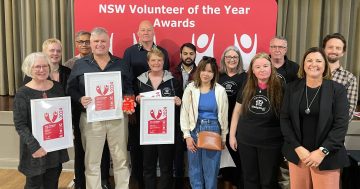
<point>347,79</point>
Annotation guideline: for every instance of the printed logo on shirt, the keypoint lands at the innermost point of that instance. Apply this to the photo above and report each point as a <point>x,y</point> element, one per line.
<point>230,87</point>
<point>259,104</point>
<point>166,91</point>
<point>281,77</point>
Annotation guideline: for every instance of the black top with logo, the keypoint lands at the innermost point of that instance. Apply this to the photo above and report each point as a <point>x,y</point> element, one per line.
<point>259,126</point>
<point>232,86</point>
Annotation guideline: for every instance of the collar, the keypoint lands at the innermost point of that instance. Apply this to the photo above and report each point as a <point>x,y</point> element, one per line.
<point>340,68</point>
<point>140,46</point>
<point>183,69</point>
<point>92,59</point>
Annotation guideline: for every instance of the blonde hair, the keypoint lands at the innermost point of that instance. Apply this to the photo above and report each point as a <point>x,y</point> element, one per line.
<point>50,41</point>
<point>30,60</point>
<point>156,52</point>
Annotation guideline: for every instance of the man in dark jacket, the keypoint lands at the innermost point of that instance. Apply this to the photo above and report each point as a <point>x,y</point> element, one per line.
<point>135,56</point>
<point>285,68</point>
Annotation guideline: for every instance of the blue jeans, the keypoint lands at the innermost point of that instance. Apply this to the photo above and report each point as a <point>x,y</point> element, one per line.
<point>204,164</point>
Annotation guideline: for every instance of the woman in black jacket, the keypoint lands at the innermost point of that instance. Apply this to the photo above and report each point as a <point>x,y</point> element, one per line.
<point>314,120</point>
<point>159,79</point>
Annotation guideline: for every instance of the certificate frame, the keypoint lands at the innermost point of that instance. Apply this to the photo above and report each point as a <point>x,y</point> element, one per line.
<point>105,90</point>
<point>157,120</point>
<point>51,120</point>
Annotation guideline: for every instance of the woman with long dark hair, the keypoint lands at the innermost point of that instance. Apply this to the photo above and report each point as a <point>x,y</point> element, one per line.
<point>204,108</point>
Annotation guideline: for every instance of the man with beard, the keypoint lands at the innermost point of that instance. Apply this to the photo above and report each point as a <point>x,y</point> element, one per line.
<point>285,68</point>
<point>184,74</point>
<point>187,67</point>
<point>335,47</point>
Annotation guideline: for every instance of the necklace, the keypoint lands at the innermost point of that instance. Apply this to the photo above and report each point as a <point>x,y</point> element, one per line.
<point>44,95</point>
<point>307,110</point>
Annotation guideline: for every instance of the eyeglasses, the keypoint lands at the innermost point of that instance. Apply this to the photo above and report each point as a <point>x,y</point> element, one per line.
<point>278,47</point>
<point>81,42</point>
<point>209,59</point>
<point>39,67</point>
<point>231,57</point>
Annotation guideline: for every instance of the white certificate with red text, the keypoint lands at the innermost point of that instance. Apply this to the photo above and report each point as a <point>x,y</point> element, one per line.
<point>52,122</point>
<point>157,120</point>
<point>105,90</point>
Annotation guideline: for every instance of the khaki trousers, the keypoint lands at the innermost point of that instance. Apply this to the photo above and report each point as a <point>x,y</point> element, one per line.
<point>303,177</point>
<point>93,138</point>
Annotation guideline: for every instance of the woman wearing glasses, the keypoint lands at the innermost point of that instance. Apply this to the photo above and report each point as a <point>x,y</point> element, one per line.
<point>314,121</point>
<point>255,125</point>
<point>42,169</point>
<point>232,77</point>
<point>205,108</point>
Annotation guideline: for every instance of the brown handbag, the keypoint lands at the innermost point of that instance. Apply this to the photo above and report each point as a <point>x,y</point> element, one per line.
<point>207,139</point>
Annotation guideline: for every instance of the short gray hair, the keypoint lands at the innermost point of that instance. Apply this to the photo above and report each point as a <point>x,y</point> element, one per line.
<point>30,60</point>
<point>98,31</point>
<point>280,38</point>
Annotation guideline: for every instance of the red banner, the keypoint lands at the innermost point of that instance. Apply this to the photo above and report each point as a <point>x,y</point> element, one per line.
<point>210,25</point>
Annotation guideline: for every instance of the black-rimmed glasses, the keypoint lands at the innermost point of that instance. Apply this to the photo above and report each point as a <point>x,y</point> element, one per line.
<point>86,42</point>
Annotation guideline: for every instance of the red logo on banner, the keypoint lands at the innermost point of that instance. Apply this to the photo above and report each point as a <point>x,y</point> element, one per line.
<point>105,100</point>
<point>159,123</point>
<point>210,25</point>
<point>55,125</point>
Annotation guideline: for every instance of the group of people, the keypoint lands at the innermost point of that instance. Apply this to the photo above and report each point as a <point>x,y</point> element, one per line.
<point>275,109</point>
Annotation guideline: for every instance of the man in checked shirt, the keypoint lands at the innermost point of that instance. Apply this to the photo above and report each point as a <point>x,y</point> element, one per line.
<point>335,48</point>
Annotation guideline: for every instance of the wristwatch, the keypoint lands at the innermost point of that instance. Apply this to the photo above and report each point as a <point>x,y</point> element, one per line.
<point>324,150</point>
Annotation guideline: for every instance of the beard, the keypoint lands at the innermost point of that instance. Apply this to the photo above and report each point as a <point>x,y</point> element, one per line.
<point>333,60</point>
<point>187,61</point>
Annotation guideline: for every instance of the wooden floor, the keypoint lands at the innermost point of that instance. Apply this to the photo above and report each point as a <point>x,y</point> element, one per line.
<point>13,179</point>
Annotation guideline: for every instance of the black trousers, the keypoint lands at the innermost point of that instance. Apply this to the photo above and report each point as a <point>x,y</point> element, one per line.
<point>233,174</point>
<point>136,154</point>
<point>47,180</point>
<point>165,154</point>
<point>79,165</point>
<point>260,166</point>
<point>179,164</point>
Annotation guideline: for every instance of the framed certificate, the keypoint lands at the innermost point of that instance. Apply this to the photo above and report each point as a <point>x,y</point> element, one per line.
<point>157,120</point>
<point>105,90</point>
<point>52,123</point>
